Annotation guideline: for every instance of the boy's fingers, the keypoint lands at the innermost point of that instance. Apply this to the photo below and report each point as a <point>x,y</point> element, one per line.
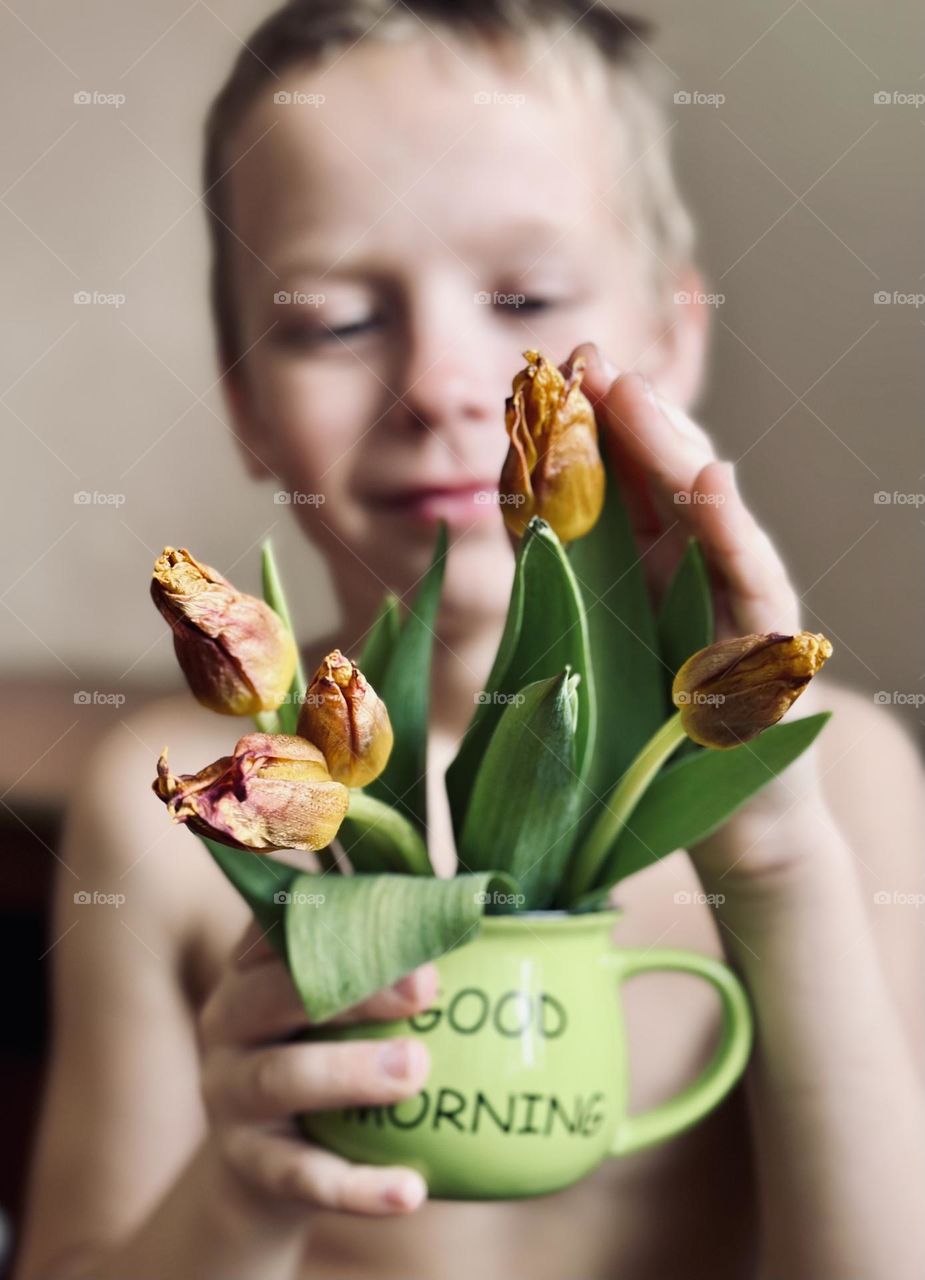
<point>760,595</point>
<point>287,1169</point>
<point>260,1003</point>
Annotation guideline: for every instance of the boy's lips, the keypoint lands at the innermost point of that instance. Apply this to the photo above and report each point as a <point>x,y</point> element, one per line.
<point>458,504</point>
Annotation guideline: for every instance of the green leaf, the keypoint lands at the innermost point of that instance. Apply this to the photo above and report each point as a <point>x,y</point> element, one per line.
<point>369,931</point>
<point>380,642</point>
<point>689,800</point>
<point>273,594</point>
<point>375,837</point>
<point>628,670</point>
<point>527,792</point>
<point>545,631</point>
<point>685,620</point>
<point>262,882</point>
<point>405,687</point>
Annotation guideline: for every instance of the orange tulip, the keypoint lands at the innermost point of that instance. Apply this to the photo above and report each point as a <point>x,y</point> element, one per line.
<point>344,716</point>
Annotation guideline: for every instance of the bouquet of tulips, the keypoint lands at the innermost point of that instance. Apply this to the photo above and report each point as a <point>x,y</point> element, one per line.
<point>607,736</point>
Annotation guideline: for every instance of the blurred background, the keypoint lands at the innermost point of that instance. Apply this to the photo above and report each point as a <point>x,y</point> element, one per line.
<point>798,136</point>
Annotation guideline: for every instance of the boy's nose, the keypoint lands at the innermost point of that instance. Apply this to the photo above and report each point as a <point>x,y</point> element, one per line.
<point>446,384</point>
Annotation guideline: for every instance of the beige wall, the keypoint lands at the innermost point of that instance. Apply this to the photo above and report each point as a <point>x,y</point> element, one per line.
<point>122,401</point>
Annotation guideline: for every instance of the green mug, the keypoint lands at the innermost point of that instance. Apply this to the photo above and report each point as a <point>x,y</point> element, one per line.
<point>528,1086</point>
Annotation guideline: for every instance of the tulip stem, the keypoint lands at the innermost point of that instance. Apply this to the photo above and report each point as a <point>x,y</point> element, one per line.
<point>267,721</point>
<point>619,805</point>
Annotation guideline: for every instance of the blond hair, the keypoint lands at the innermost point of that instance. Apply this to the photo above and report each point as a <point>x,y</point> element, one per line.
<point>605,44</point>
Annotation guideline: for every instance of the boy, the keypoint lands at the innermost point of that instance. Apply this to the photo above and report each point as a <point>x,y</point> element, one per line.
<point>403,198</point>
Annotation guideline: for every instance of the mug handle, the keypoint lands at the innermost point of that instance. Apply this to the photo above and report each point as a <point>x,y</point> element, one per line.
<point>719,1075</point>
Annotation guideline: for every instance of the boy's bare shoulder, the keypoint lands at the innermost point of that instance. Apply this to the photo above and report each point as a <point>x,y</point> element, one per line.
<point>118,831</point>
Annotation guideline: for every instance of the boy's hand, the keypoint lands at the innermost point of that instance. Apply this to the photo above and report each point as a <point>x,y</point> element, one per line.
<point>674,488</point>
<point>254,1082</point>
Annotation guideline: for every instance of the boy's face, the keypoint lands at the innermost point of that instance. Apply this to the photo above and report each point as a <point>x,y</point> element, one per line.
<point>446,235</point>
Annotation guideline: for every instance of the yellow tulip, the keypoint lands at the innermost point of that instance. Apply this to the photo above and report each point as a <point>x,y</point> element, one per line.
<point>344,716</point>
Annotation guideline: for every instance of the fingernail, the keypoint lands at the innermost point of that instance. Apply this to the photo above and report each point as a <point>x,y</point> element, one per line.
<point>401,1058</point>
<point>404,1193</point>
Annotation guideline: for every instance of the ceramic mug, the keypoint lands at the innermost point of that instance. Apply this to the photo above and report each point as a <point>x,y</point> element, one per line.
<point>528,1086</point>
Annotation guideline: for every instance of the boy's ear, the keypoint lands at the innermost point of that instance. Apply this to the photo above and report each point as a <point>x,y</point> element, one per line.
<point>678,361</point>
<point>252,442</point>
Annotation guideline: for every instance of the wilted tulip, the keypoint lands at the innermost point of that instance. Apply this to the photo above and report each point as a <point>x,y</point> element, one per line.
<point>730,692</point>
<point>344,716</point>
<point>236,653</point>
<point>273,792</point>
<point>553,467</point>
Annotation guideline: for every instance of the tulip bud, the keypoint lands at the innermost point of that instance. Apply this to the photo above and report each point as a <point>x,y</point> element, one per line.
<point>553,467</point>
<point>730,692</point>
<point>273,792</point>
<point>236,653</point>
<point>344,716</point>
